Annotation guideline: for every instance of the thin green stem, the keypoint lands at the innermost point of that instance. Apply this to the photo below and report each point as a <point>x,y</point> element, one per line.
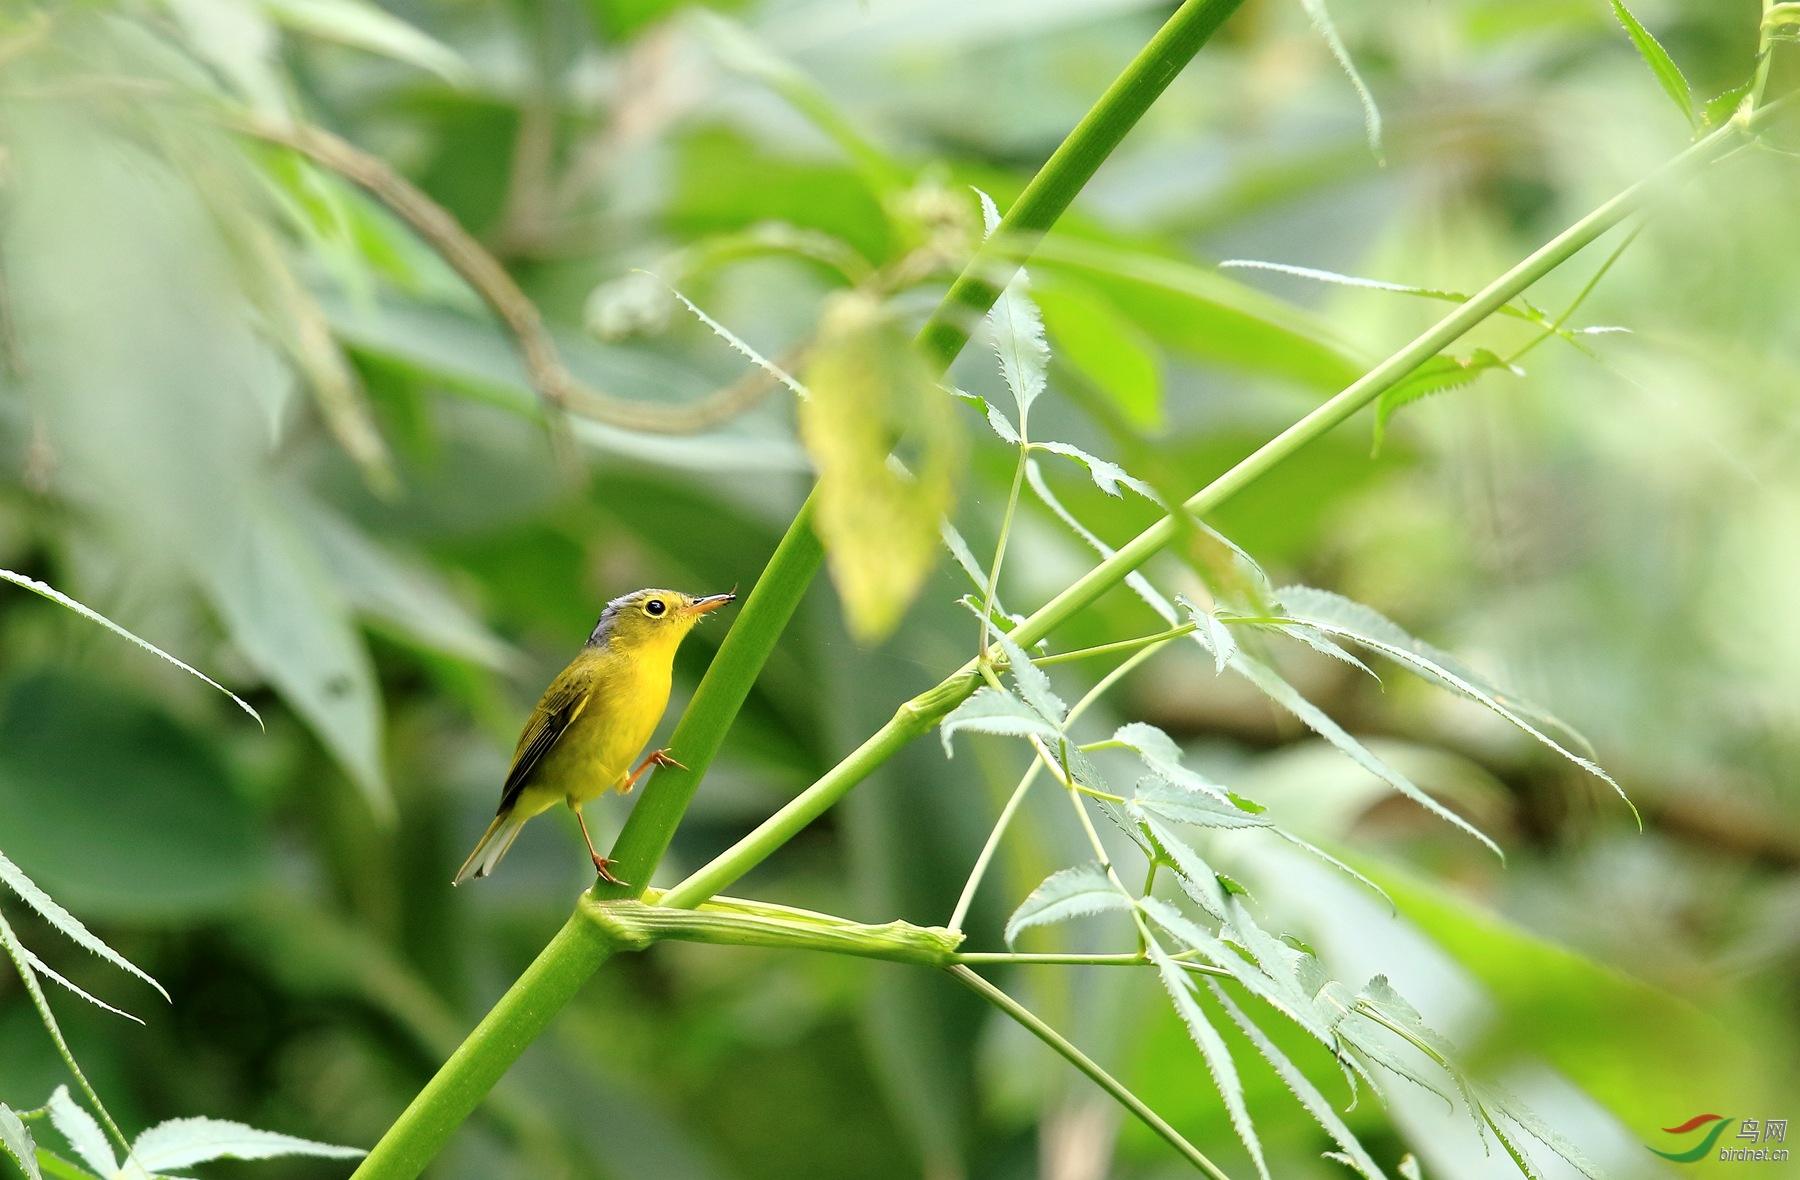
<point>1555,328</point>
<point>1149,884</point>
<point>1060,772</point>
<point>1006,520</point>
<point>967,897</point>
<point>21,960</point>
<point>1106,649</point>
<point>1086,1065</point>
<point>1079,960</point>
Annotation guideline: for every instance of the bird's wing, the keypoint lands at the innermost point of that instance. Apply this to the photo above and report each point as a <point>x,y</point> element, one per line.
<point>563,702</point>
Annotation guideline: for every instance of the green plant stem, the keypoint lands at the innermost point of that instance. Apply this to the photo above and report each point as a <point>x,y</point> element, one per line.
<point>703,726</point>
<point>1104,649</point>
<point>1004,822</point>
<point>1068,170</point>
<point>459,1086</point>
<point>1006,520</point>
<point>1555,328</point>
<point>1086,1065</point>
<point>1061,774</point>
<point>1076,960</point>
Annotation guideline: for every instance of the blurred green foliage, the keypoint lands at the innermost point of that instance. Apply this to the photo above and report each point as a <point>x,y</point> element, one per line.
<point>202,334</point>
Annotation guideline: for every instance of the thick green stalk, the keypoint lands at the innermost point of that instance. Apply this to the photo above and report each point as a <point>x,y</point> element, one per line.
<point>1086,1065</point>
<point>453,1093</point>
<point>702,728</point>
<point>1068,170</point>
<point>919,714</point>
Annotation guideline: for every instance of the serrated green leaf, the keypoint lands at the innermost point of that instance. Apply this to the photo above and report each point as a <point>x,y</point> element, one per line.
<point>1199,808</point>
<point>1271,980</point>
<point>1212,1049</point>
<point>1440,373</point>
<point>44,969</point>
<point>1495,1098</point>
<point>1335,863</point>
<point>1107,476</point>
<point>15,1140</point>
<point>1377,1044</point>
<point>1032,683</point>
<point>1379,994</point>
<point>1718,111</point>
<point>879,523</point>
<point>1068,893</point>
<point>740,346</point>
<point>181,1143</point>
<point>989,710</point>
<point>1197,878</point>
<point>1343,280</point>
<point>1018,341</point>
<point>1159,752</point>
<point>1083,770</point>
<point>1668,74</point>
<point>965,557</point>
<point>1301,1086</point>
<point>94,616</point>
<point>1213,633</point>
<point>1339,616</point>
<point>1288,697</point>
<point>1312,638</point>
<point>1321,19</point>
<point>82,1132</point>
<point>66,923</point>
<point>998,422</point>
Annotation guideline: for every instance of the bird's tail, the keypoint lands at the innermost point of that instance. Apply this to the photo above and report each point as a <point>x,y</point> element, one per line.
<point>492,846</point>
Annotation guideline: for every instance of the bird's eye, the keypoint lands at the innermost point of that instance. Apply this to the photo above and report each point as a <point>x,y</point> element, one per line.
<point>655,607</point>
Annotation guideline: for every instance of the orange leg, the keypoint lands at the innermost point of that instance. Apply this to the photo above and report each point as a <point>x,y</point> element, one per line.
<point>600,862</point>
<point>653,758</point>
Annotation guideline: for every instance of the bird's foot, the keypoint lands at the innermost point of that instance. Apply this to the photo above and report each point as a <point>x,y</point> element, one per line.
<point>602,866</point>
<point>653,758</point>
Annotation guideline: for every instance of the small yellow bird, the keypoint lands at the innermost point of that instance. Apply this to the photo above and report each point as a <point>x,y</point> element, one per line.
<point>594,718</point>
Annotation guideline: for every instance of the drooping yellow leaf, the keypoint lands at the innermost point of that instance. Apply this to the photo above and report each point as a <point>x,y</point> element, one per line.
<point>878,516</point>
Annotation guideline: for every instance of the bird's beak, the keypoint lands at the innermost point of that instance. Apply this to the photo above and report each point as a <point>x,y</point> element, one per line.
<point>711,602</point>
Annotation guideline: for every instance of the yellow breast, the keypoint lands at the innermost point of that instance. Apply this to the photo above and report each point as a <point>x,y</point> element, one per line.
<point>629,693</point>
